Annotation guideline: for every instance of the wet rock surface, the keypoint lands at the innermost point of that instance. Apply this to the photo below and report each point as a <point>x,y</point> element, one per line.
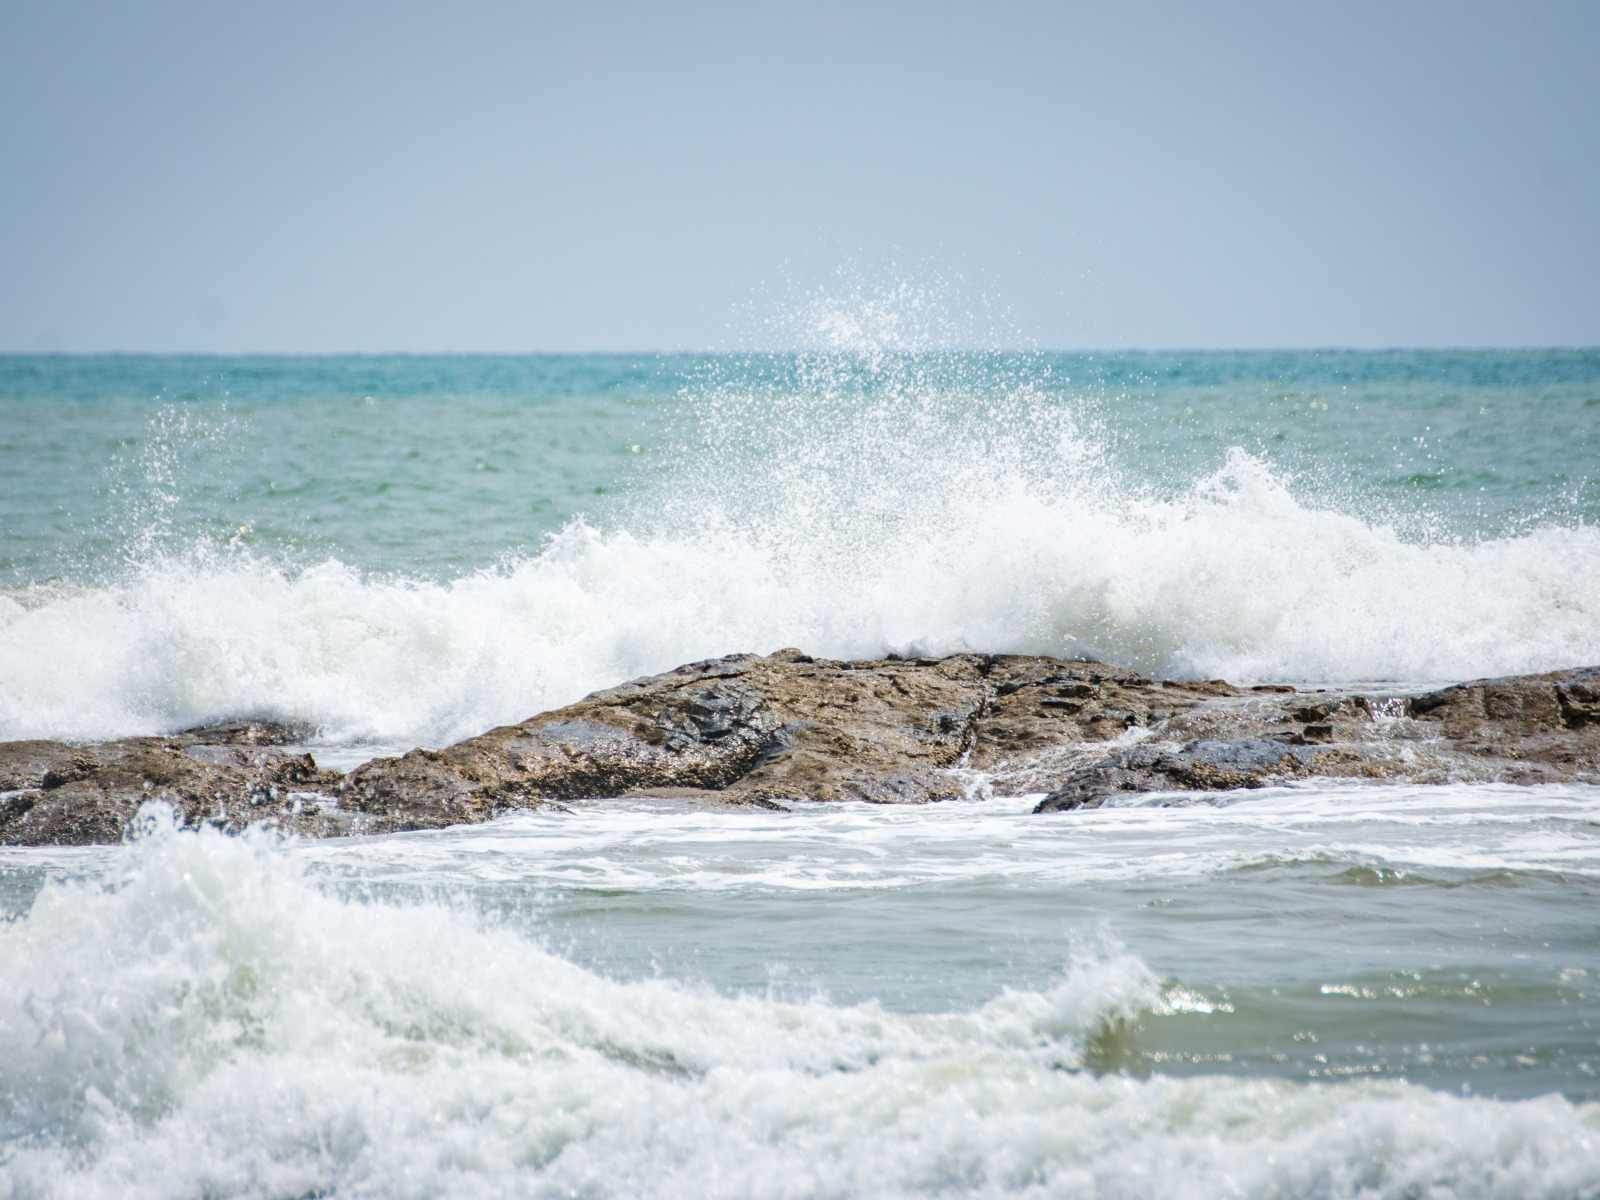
<point>232,775</point>
<point>738,730</point>
<point>770,731</point>
<point>1523,729</point>
<point>1199,766</point>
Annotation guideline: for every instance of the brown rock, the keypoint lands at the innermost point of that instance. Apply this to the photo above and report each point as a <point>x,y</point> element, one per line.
<point>28,764</point>
<point>1199,766</point>
<point>1551,719</point>
<point>91,795</point>
<point>1042,703</point>
<point>749,730</point>
<point>752,729</point>
<point>1521,729</point>
<point>1202,687</point>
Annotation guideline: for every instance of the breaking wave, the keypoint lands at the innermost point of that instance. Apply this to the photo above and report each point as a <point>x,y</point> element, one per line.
<point>1239,580</point>
<point>849,504</point>
<point>206,1019</point>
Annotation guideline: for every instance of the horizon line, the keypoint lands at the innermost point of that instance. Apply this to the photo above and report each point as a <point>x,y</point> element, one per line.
<point>1396,348</point>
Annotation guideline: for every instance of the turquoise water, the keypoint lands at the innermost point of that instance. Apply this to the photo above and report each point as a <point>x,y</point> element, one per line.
<point>396,464</point>
<point>438,466</point>
<point>1332,990</point>
<point>404,551</point>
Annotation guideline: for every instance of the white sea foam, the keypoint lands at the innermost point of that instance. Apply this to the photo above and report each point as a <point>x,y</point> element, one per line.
<point>210,1022</point>
<point>643,847</point>
<point>869,503</point>
<point>1241,581</point>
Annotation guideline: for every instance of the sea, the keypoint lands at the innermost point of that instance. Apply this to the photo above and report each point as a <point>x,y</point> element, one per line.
<point>1331,989</point>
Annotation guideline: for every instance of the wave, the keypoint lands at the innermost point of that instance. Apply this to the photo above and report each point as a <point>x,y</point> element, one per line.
<point>206,1019</point>
<point>1237,579</point>
<point>852,504</point>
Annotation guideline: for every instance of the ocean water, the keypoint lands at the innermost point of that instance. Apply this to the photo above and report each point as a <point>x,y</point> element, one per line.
<point>1328,990</point>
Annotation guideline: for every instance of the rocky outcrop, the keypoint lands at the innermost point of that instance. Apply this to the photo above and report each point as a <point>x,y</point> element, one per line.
<point>770,731</point>
<point>232,776</point>
<point>752,730</point>
<point>1522,729</point>
<point>738,730</point>
<point>1536,720</point>
<point>1200,766</point>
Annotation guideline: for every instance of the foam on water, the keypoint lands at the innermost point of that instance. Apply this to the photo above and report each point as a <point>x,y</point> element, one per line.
<point>853,501</point>
<point>645,847</point>
<point>207,1020</point>
<point>1235,579</point>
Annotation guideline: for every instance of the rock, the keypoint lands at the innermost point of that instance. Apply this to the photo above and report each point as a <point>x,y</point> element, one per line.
<point>88,795</point>
<point>35,764</point>
<point>246,733</point>
<point>1551,719</point>
<point>753,730</point>
<point>1520,729</point>
<point>29,764</point>
<point>1199,766</point>
<point>769,731</point>
<point>1203,687</point>
<point>1043,703</point>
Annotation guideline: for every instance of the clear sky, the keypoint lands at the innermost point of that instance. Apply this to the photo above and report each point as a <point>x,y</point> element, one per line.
<point>333,176</point>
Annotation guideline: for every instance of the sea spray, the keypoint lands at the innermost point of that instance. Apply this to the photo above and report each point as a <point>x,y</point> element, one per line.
<point>637,999</point>
<point>875,492</point>
<point>1238,580</point>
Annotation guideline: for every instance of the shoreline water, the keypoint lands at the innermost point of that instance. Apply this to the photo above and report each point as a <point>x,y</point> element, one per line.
<point>586,1001</point>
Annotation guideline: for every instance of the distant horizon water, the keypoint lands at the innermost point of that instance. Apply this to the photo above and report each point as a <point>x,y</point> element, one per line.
<point>724,351</point>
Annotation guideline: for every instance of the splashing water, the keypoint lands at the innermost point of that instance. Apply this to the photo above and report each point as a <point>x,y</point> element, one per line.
<point>875,493</point>
<point>627,1000</point>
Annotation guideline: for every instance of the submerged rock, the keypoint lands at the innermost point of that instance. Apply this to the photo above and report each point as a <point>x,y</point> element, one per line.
<point>768,731</point>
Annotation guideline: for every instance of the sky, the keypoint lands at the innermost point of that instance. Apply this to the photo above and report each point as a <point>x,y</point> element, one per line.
<point>349,177</point>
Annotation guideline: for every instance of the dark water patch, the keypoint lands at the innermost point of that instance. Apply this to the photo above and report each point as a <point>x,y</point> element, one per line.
<point>1381,877</point>
<point>1488,1032</point>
